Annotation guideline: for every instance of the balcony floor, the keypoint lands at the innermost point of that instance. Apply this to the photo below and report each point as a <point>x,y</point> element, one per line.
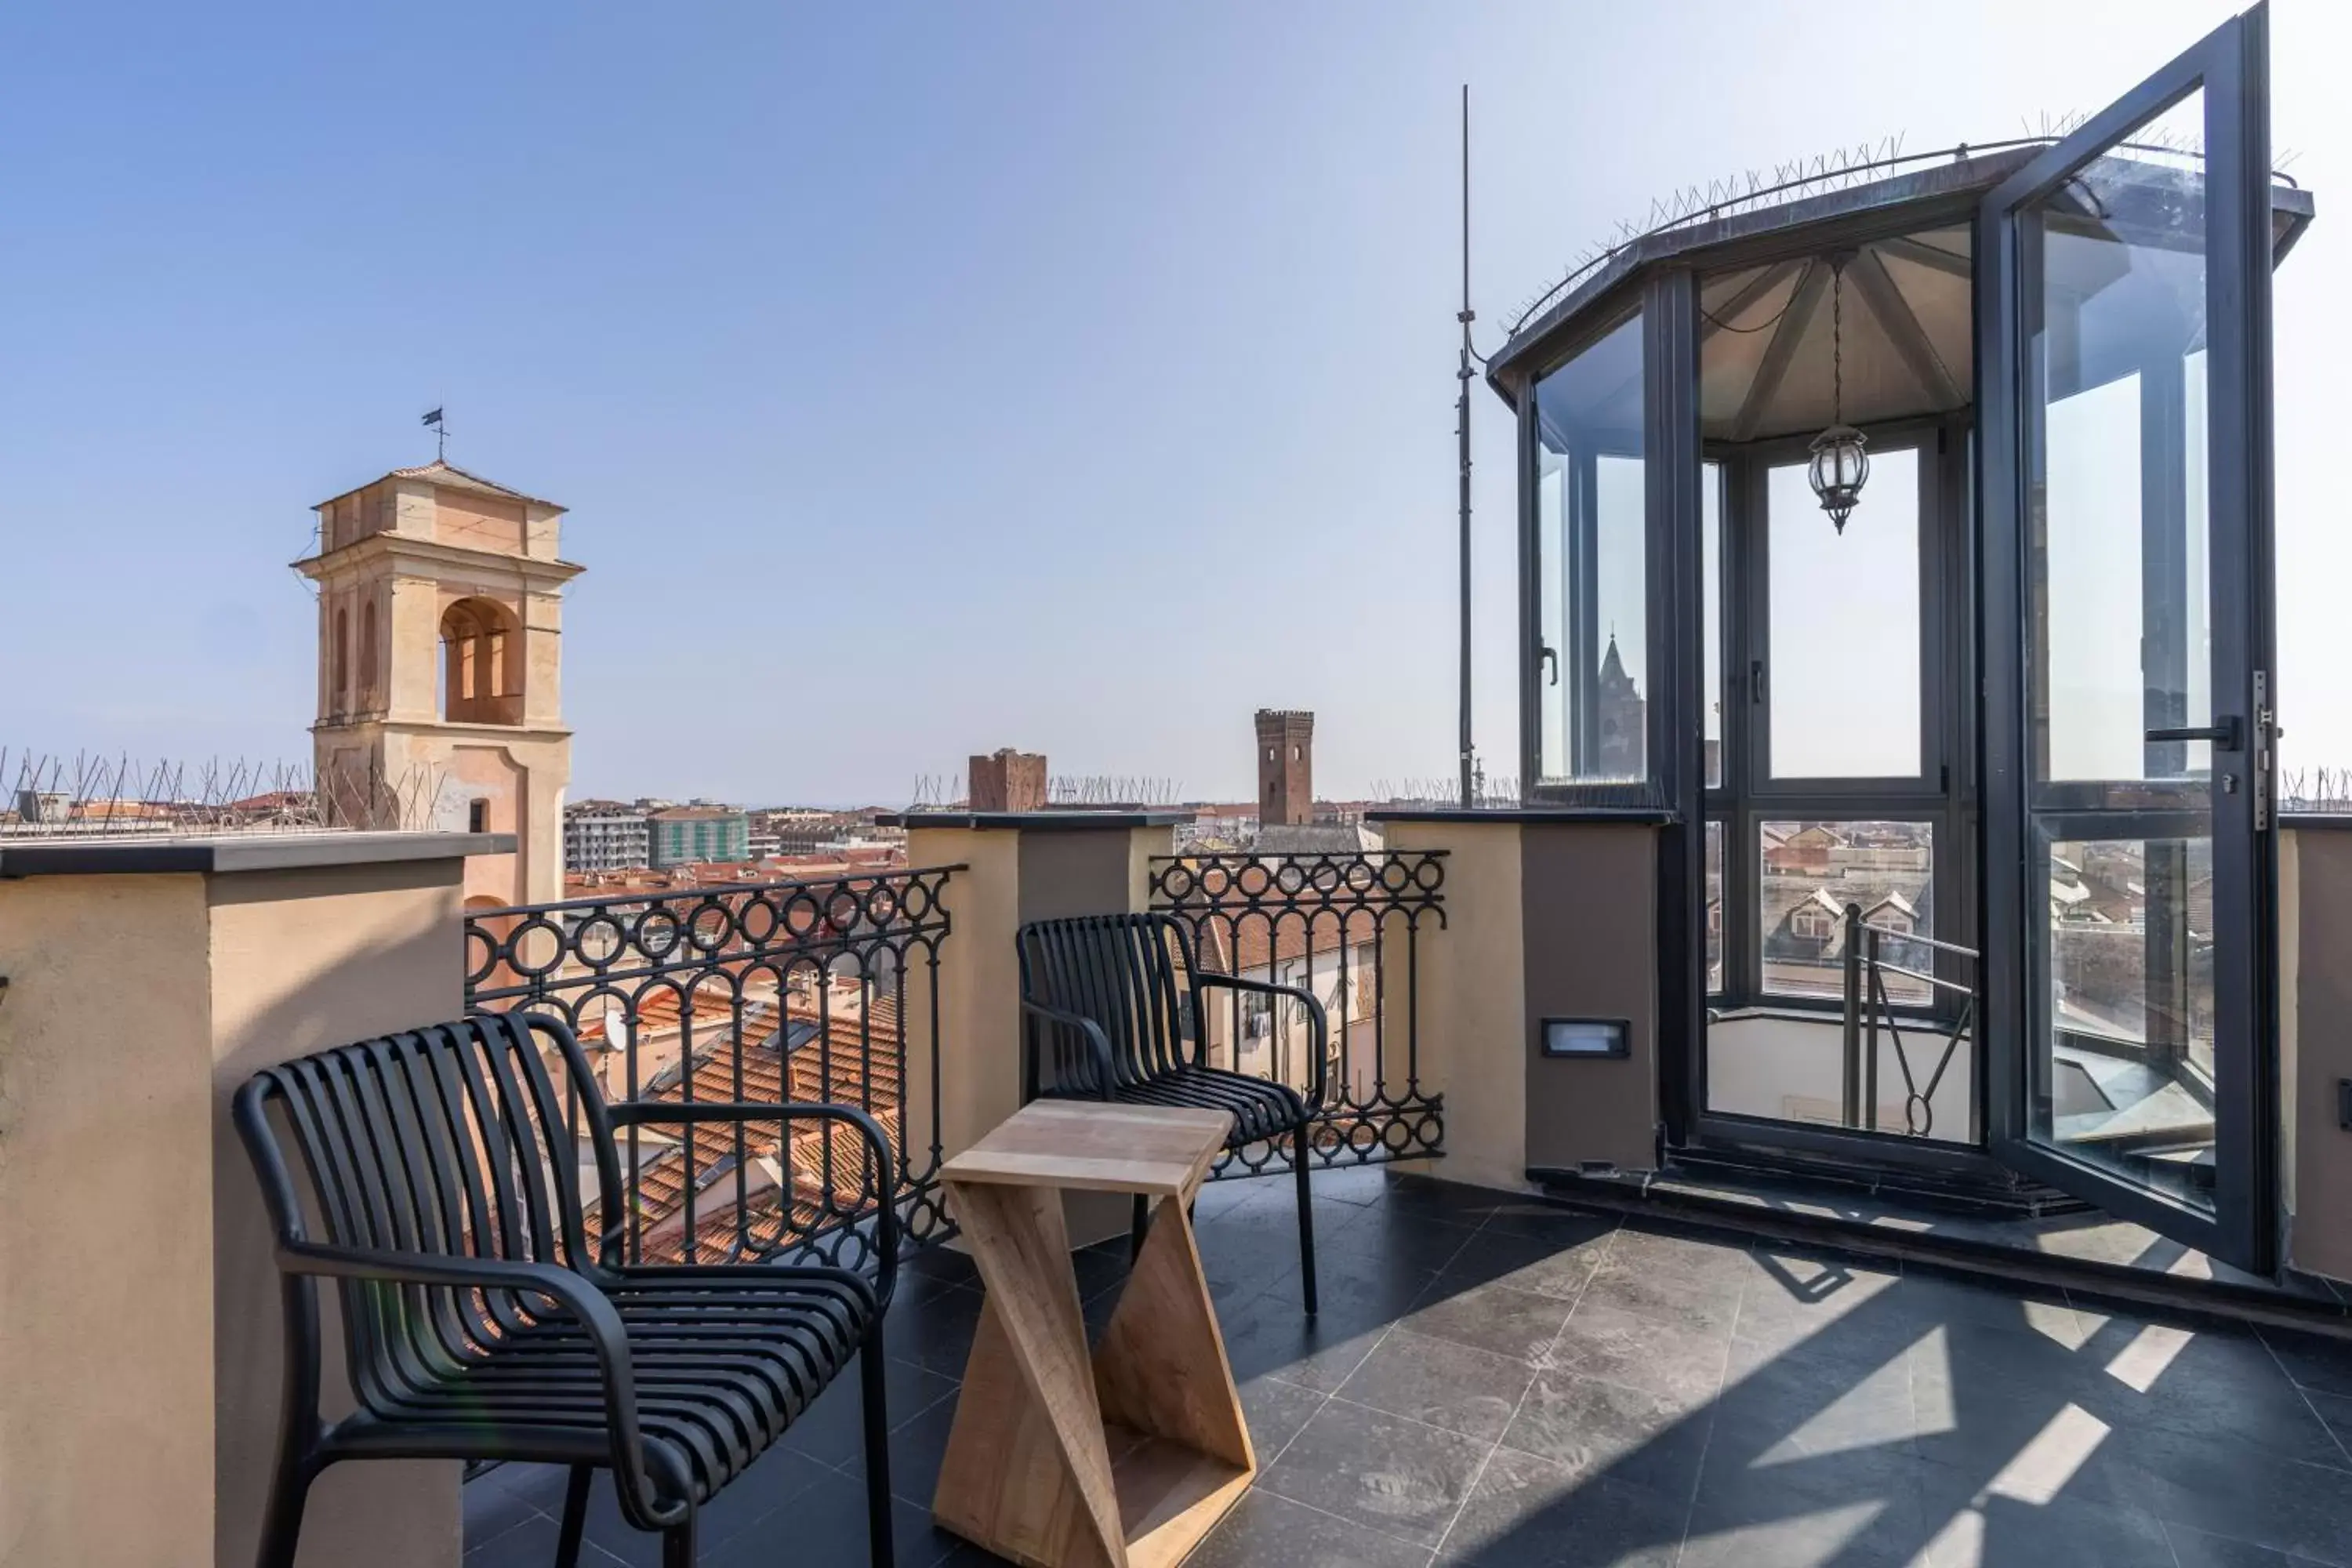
<point>1499,1383</point>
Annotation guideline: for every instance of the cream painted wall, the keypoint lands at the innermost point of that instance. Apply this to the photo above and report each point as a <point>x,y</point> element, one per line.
<point>2316,1044</point>
<point>1473,1024</point>
<point>140,1321</point>
<point>301,961</point>
<point>106,1307</point>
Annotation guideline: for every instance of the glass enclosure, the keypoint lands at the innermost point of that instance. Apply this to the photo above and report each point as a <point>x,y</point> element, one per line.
<point>1592,566</point>
<point>1980,755</point>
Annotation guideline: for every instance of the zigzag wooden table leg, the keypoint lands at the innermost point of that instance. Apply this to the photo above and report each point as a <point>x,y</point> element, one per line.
<point>1127,1462</point>
<point>1028,1471</point>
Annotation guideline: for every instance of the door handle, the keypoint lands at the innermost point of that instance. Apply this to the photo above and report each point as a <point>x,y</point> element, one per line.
<point>1550,661</point>
<point>2223,732</point>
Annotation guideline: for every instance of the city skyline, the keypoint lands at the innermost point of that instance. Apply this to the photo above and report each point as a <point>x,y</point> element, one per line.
<point>1199,277</point>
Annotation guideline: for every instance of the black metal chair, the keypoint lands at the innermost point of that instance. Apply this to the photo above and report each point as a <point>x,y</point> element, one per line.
<point>478,1324</point>
<point>1103,1001</point>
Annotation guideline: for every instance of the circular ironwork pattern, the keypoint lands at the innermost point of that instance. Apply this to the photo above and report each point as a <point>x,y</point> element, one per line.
<point>756,974</point>
<point>1355,920</point>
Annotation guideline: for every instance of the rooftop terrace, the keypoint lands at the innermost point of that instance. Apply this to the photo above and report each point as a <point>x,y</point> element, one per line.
<point>1501,1382</point>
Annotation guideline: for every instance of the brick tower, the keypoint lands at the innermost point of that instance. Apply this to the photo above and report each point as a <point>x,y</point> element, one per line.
<point>1285,767</point>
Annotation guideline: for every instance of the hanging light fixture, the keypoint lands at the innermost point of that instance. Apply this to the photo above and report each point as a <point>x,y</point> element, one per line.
<point>1841,453</point>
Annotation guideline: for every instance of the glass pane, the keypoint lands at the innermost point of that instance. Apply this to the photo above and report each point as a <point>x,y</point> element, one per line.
<point>1711,612</point>
<point>2119,558</point>
<point>1810,871</point>
<point>2126,1074</point>
<point>2120,645</point>
<point>1591,565</point>
<point>1842,671</point>
<point>1714,906</point>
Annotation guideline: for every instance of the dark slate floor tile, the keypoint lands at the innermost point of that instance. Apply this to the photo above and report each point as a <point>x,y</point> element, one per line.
<point>529,1543</point>
<point>1658,1358</point>
<point>1859,1534</point>
<point>1788,1411</point>
<point>944,1264</point>
<point>2336,1412</point>
<point>1563,1227</point>
<point>2314,1361</point>
<point>2222,1385</point>
<point>1462,1389</point>
<point>1606,1429</point>
<point>1381,1471</point>
<point>1901,1498</point>
<point>1270,1336</point>
<point>934,1330</point>
<point>778,1478</point>
<point>490,1509</point>
<point>1263,1528</point>
<point>832,1430</point>
<point>1652,1248</point>
<point>1505,1321</point>
<point>2222,1488</point>
<point>1276,1412</point>
<point>828,1526</point>
<point>1528,1263</point>
<point>1360,1184</point>
<point>1530,1512</point>
<point>1411,1193</point>
<point>2006,1532</point>
<point>1387,1238</point>
<point>1255,1245</point>
<point>2195,1549</point>
<point>1703,1304</point>
<point>918,1447</point>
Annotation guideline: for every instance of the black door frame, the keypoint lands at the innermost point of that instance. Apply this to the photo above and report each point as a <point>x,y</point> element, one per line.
<point>2230,66</point>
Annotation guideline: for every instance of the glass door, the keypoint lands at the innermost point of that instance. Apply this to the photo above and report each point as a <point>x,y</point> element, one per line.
<point>2123,311</point>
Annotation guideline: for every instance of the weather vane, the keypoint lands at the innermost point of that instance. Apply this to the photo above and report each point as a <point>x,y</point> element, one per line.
<point>440,435</point>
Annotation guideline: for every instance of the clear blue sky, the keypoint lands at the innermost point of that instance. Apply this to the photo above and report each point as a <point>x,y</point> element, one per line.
<point>923,379</point>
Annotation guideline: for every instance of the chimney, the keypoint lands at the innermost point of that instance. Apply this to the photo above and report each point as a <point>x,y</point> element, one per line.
<point>1285,767</point>
<point>1008,780</point>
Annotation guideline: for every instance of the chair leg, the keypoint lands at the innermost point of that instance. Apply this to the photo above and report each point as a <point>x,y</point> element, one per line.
<point>281,1527</point>
<point>678,1545</point>
<point>1142,1223</point>
<point>1301,1144</point>
<point>576,1516</point>
<point>871,1378</point>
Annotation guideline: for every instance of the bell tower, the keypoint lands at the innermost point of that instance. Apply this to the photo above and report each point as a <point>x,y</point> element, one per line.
<point>440,665</point>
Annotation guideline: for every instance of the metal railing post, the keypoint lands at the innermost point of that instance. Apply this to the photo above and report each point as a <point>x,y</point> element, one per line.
<point>1853,1107</point>
<point>1870,1025</point>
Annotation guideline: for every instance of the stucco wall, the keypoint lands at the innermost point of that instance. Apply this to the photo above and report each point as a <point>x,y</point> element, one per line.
<point>1472,1004</point>
<point>106,1309</point>
<point>140,1352</point>
<point>2316,1041</point>
<point>301,961</point>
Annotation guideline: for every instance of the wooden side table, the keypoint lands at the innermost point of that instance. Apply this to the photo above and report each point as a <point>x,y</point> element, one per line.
<point>1127,1463</point>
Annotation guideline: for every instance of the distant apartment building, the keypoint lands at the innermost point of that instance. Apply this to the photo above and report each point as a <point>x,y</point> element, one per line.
<point>605,836</point>
<point>688,835</point>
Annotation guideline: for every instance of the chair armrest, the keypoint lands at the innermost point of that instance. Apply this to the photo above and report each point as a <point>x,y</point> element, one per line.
<point>640,1112</point>
<point>1097,1042</point>
<point>574,1293</point>
<point>1318,1025</point>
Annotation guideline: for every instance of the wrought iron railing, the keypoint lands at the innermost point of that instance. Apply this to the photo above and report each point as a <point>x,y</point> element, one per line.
<point>1919,964</point>
<point>1348,928</point>
<point>771,992</point>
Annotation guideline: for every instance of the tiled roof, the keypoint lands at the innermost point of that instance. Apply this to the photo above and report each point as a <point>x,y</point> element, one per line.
<point>838,1055</point>
<point>449,475</point>
<point>1291,938</point>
